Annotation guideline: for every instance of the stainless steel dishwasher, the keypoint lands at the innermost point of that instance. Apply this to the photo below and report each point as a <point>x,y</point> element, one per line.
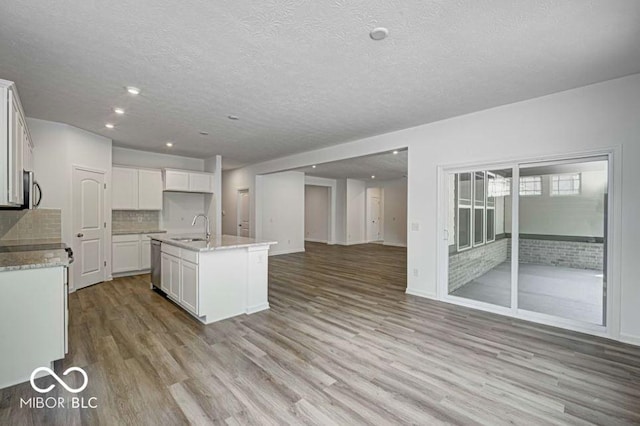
<point>156,271</point>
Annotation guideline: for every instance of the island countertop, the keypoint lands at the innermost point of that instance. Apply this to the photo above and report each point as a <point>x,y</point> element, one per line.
<point>216,242</point>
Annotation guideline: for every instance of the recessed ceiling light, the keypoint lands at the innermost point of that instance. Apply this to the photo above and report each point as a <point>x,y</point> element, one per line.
<point>373,176</point>
<point>233,117</point>
<point>119,111</point>
<point>395,152</point>
<point>204,133</point>
<point>169,144</point>
<point>133,90</point>
<point>314,166</point>
<point>109,126</point>
<point>379,33</point>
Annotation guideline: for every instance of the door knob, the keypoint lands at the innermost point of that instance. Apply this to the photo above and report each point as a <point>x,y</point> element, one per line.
<point>80,235</point>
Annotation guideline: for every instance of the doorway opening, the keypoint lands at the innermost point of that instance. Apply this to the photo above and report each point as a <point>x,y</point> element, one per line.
<point>317,213</point>
<point>531,240</point>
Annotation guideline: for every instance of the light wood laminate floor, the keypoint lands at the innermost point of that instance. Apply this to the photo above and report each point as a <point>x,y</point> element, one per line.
<point>341,344</point>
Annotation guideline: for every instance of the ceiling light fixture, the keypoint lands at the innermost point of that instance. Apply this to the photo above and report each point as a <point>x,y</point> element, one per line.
<point>373,176</point>
<point>379,33</point>
<point>233,117</point>
<point>109,126</point>
<point>395,152</point>
<point>118,111</point>
<point>314,166</point>
<point>133,90</point>
<point>169,144</point>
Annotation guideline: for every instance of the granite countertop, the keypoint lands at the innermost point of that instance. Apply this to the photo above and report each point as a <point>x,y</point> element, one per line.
<point>19,260</point>
<point>221,242</point>
<point>131,232</point>
<point>30,242</point>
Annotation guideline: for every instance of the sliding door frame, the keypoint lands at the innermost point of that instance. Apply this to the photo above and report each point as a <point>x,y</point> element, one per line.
<point>611,329</point>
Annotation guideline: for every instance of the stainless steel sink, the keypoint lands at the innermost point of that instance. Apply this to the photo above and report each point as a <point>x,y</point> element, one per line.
<point>189,240</point>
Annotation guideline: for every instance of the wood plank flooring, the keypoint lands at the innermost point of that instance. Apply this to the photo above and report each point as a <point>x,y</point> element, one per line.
<point>341,344</point>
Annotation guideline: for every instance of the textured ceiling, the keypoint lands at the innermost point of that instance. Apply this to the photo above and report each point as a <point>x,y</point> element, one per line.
<point>300,74</point>
<point>385,166</point>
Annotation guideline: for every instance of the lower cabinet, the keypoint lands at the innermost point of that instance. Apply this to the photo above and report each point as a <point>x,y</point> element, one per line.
<point>189,288</point>
<point>131,253</point>
<point>33,321</point>
<point>179,277</point>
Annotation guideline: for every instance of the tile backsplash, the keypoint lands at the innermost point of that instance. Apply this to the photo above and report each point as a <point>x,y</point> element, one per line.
<point>135,220</point>
<point>30,224</point>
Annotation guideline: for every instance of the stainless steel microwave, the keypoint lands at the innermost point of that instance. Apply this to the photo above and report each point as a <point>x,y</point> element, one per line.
<point>32,193</point>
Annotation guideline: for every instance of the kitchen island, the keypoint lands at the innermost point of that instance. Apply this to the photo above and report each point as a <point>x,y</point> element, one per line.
<point>217,278</point>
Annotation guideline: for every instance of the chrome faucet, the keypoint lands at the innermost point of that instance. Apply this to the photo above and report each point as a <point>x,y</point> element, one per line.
<point>208,230</point>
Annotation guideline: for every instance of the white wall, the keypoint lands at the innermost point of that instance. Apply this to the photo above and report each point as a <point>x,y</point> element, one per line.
<point>57,148</point>
<point>341,211</point>
<point>394,193</point>
<point>178,209</point>
<point>317,208</point>
<point>281,206</point>
<point>356,211</point>
<point>575,215</point>
<point>598,116</point>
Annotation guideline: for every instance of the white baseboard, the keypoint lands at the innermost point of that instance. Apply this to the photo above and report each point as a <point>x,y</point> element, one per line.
<point>630,339</point>
<point>285,251</point>
<point>420,293</point>
<point>257,308</point>
<point>394,244</point>
<point>313,240</point>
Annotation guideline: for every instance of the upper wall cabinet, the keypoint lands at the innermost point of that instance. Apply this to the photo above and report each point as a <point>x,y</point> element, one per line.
<point>14,141</point>
<point>188,181</point>
<point>136,189</point>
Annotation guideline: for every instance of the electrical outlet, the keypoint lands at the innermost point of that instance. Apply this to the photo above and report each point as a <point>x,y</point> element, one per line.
<point>416,272</point>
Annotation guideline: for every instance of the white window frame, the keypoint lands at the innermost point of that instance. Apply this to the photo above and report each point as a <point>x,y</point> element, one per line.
<point>555,191</point>
<point>469,207</point>
<point>527,192</point>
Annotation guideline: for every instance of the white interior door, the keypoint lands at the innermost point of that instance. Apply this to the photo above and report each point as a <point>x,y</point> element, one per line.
<point>374,219</point>
<point>243,213</point>
<point>88,227</point>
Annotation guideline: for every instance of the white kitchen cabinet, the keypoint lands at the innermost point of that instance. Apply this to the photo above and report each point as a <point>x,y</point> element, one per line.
<point>33,326</point>
<point>136,189</point>
<point>14,136</point>
<point>165,277</point>
<point>201,182</point>
<point>188,181</point>
<point>189,286</point>
<point>174,274</point>
<point>124,194</point>
<point>131,254</point>
<point>175,180</point>
<point>149,189</point>
<point>125,253</point>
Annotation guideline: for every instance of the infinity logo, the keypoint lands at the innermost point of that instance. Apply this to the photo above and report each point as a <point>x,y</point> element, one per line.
<point>55,376</point>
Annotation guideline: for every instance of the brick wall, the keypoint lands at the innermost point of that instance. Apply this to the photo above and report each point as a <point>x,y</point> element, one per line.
<point>30,224</point>
<point>569,254</point>
<point>135,220</point>
<point>471,264</point>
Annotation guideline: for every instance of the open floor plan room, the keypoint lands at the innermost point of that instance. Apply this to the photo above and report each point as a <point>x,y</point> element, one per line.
<point>336,347</point>
<point>331,213</point>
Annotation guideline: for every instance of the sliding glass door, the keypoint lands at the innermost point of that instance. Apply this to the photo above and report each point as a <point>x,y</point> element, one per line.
<point>479,252</point>
<point>562,239</point>
<point>530,239</point>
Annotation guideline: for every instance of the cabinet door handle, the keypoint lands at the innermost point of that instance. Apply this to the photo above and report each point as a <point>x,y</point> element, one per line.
<point>80,235</point>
